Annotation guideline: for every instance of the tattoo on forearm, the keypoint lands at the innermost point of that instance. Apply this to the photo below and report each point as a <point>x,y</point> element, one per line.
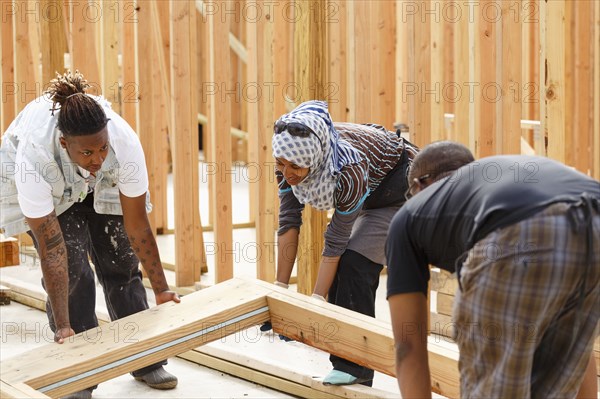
<point>144,246</point>
<point>53,255</point>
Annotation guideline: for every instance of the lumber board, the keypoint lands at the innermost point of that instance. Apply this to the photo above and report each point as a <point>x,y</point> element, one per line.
<point>337,75</point>
<point>310,73</point>
<point>249,110</point>
<point>381,47</point>
<point>184,140</point>
<point>139,340</point>
<point>148,129</point>
<point>401,62</point>
<point>444,282</point>
<point>247,361</point>
<point>421,62</point>
<point>435,81</point>
<point>7,76</point>
<point>219,122</point>
<point>596,137</point>
<point>362,74</point>
<point>82,37</point>
<point>160,29</point>
<point>553,67</point>
<point>263,39</point>
<point>4,295</point>
<point>509,124</point>
<point>462,76</point>
<point>53,40</point>
<point>129,91</point>
<point>9,252</point>
<point>110,28</point>
<point>351,67</point>
<point>23,60</point>
<point>450,24</point>
<point>28,294</point>
<point>280,376</point>
<point>583,79</point>
<point>356,337</point>
<point>445,303</point>
<point>19,391</point>
<point>485,75</point>
<point>441,325</point>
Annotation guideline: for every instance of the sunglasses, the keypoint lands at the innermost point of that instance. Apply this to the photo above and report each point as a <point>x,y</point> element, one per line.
<point>409,193</point>
<point>295,129</point>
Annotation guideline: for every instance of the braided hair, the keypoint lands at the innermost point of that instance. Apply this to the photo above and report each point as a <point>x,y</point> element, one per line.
<point>80,114</point>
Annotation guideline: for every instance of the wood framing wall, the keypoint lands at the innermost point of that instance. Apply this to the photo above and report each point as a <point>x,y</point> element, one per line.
<point>499,76</point>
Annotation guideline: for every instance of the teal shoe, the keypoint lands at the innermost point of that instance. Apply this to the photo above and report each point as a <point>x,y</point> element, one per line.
<point>336,377</point>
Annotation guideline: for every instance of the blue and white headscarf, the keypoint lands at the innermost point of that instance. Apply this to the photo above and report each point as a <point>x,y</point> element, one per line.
<point>325,154</point>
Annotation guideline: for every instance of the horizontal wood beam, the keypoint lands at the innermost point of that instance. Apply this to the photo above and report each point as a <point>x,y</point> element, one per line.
<point>356,337</point>
<point>240,134</point>
<point>208,315</point>
<point>19,391</point>
<point>139,340</point>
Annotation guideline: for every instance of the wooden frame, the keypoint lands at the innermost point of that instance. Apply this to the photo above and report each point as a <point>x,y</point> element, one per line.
<point>205,316</point>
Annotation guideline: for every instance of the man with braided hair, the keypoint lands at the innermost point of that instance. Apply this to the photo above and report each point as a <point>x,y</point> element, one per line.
<point>74,176</point>
<point>523,236</point>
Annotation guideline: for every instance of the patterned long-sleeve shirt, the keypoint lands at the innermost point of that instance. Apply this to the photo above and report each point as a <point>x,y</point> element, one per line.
<point>382,150</point>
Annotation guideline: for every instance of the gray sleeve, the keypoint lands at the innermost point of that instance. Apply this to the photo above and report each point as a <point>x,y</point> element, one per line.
<point>338,232</point>
<point>290,212</point>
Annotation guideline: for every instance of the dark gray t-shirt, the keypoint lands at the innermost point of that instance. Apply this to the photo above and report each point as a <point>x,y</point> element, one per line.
<point>446,219</point>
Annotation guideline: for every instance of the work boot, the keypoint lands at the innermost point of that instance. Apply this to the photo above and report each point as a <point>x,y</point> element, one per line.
<point>85,394</point>
<point>159,379</point>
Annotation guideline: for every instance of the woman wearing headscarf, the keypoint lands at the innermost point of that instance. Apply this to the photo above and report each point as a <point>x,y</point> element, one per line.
<point>359,171</point>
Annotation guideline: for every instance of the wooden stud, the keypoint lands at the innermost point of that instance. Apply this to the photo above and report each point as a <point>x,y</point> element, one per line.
<point>553,74</point>
<point>463,75</point>
<point>583,82</point>
<point>184,110</point>
<point>159,120</point>
<point>362,76</point>
<point>161,99</point>
<point>508,134</point>
<point>435,82</point>
<point>10,87</point>
<point>110,27</point>
<point>401,52</point>
<point>596,131</point>
<point>383,31</point>
<point>264,37</point>
<point>569,76</point>
<point>220,121</point>
<point>129,85</point>
<point>351,68</point>
<point>84,19</point>
<point>420,109</point>
<point>486,89</point>
<point>54,40</point>
<point>337,78</point>
<point>148,117</point>
<point>23,61</point>
<point>309,46</point>
<point>450,20</point>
